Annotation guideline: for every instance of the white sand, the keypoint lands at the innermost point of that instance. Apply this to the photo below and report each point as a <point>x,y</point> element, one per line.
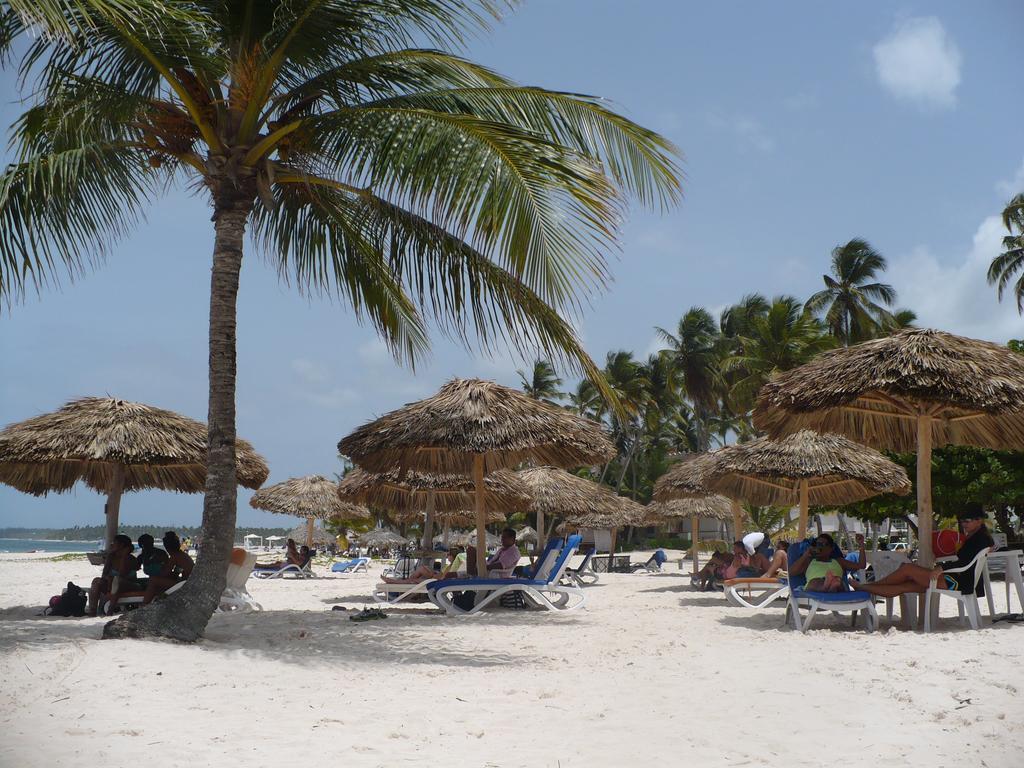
<point>648,672</point>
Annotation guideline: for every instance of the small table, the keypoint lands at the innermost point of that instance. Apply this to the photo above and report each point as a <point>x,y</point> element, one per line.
<point>618,564</point>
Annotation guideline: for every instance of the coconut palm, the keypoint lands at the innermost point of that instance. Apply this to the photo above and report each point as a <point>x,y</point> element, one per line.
<point>693,351</point>
<point>899,320</point>
<point>410,182</point>
<point>542,382</point>
<point>785,337</point>
<point>852,302</point>
<point>1011,260</point>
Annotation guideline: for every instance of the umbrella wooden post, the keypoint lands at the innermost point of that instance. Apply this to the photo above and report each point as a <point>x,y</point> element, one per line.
<point>428,526</point>
<point>539,544</point>
<point>309,531</point>
<point>694,539</point>
<point>924,490</point>
<point>737,520</point>
<point>801,530</point>
<point>113,506</point>
<point>481,519</point>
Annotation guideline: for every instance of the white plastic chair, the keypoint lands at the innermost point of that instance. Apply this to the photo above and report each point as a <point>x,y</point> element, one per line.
<point>967,604</point>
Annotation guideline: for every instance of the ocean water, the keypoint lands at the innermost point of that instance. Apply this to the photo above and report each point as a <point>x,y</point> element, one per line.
<point>44,545</point>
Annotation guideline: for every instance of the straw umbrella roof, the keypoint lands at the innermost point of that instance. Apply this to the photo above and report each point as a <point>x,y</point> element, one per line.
<point>624,512</point>
<point>555,491</point>
<point>411,491</point>
<point>320,536</point>
<point>686,478</point>
<point>527,534</point>
<point>837,470</point>
<point>380,537</point>
<point>310,496</point>
<point>468,539</point>
<point>94,439</point>
<point>458,517</point>
<point>873,392</point>
<point>714,507</point>
<point>469,418</point>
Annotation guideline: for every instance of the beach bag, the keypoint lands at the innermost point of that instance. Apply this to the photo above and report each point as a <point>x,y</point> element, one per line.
<point>464,600</point>
<point>515,600</point>
<point>71,602</point>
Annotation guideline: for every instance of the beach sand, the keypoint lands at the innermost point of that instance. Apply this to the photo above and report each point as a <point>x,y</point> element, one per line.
<point>649,672</point>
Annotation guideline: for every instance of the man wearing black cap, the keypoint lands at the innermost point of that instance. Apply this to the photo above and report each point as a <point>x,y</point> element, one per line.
<point>914,578</point>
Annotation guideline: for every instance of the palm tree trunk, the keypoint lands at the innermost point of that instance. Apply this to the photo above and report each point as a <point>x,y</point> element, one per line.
<point>185,614</point>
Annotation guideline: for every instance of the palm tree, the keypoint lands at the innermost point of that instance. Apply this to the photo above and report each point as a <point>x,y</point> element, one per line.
<point>410,182</point>
<point>1011,260</point>
<point>787,336</point>
<point>542,383</point>
<point>899,320</point>
<point>692,349</point>
<point>586,400</point>
<point>852,302</point>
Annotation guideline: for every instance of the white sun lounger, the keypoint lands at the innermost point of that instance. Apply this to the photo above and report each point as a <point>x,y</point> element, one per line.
<point>236,597</point>
<point>305,571</point>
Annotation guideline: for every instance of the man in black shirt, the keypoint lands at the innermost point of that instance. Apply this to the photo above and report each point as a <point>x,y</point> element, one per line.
<point>915,578</point>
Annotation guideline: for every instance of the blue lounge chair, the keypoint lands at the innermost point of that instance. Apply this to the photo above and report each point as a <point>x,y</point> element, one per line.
<point>653,564</point>
<point>354,565</point>
<point>583,575</point>
<point>838,602</point>
<point>542,588</point>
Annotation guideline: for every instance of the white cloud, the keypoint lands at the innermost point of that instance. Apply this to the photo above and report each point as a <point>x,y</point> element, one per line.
<point>310,372</point>
<point>1014,186</point>
<point>750,135</point>
<point>919,62</point>
<point>374,352</point>
<point>339,397</point>
<point>955,296</point>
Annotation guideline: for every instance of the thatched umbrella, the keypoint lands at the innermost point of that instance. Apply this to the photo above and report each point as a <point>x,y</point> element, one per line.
<point>557,492</point>
<point>317,537</point>
<point>431,493</point>
<point>802,469</point>
<point>380,537</point>
<point>114,446</point>
<point>687,479</point>
<point>313,496</point>
<point>911,390</point>
<point>470,539</point>
<point>473,427</point>
<point>527,534</point>
<point>693,508</point>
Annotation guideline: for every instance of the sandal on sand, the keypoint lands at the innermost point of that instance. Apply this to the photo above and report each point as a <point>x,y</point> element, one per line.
<point>368,614</point>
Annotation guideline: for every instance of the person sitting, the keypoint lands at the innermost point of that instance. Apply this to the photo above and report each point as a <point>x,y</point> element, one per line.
<point>177,568</point>
<point>151,562</point>
<point>120,566</point>
<point>822,569</point>
<point>910,577</point>
<point>505,559</point>
<point>707,574</point>
<point>292,556</point>
<point>426,572</point>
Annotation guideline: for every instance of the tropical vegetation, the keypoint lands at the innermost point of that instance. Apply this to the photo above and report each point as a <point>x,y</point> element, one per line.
<point>1010,263</point>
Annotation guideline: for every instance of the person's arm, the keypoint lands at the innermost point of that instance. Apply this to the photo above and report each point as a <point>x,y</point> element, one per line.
<point>862,558</point>
<point>799,566</point>
<point>186,565</point>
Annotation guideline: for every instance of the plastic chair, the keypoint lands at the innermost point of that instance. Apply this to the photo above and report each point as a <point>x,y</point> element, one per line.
<point>967,604</point>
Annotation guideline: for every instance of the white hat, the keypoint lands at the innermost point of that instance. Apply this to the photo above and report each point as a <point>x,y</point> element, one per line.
<point>752,541</point>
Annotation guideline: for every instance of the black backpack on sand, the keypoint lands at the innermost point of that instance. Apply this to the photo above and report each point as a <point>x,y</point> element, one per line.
<point>71,602</point>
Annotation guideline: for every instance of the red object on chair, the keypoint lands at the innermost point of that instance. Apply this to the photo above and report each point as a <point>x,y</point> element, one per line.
<point>946,542</point>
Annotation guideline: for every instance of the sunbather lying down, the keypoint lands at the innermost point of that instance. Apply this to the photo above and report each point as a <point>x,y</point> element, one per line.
<point>425,572</point>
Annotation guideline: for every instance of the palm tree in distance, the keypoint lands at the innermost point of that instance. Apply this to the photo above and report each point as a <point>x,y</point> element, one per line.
<point>899,320</point>
<point>853,304</point>
<point>410,182</point>
<point>693,351</point>
<point>542,383</point>
<point>1011,261</point>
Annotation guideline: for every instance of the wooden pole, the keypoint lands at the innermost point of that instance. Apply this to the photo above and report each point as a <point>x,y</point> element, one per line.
<point>309,531</point>
<point>694,539</point>
<point>924,490</point>
<point>427,542</point>
<point>539,546</point>
<point>801,529</point>
<point>113,506</point>
<point>481,520</point>
<point>737,521</point>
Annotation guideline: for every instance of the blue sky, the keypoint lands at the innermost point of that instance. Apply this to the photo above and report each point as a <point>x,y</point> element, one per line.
<point>803,124</point>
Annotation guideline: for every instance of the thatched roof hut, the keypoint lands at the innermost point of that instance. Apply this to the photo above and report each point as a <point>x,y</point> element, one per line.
<point>411,492</point>
<point>318,537</point>
<point>473,427</point>
<point>557,492</point>
<point>907,391</point>
<point>619,514</point>
<point>471,418</point>
<point>687,479</point>
<point>380,537</point>
<point>713,507</point>
<point>114,446</point>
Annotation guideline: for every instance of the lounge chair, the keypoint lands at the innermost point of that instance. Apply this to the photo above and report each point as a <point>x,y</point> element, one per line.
<point>967,604</point>
<point>236,597</point>
<point>837,602</point>
<point>653,564</point>
<point>543,590</point>
<point>584,574</point>
<point>304,571</point>
<point>127,600</point>
<point>755,593</point>
<point>355,565</point>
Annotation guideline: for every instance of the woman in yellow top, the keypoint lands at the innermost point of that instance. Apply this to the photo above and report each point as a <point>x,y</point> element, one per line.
<point>822,569</point>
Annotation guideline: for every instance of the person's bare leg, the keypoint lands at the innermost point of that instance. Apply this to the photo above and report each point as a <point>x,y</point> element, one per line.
<point>906,572</point>
<point>157,585</point>
<point>421,573</point>
<point>94,595</point>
